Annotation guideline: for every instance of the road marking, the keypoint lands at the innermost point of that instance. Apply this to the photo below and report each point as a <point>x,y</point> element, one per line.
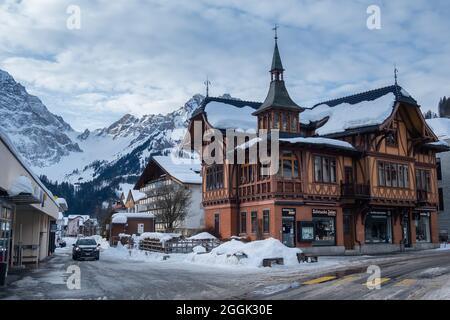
<point>320,280</point>
<point>378,281</point>
<point>406,282</point>
<point>345,280</point>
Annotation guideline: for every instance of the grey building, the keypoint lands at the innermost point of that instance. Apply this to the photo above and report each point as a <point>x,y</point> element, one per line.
<point>443,174</point>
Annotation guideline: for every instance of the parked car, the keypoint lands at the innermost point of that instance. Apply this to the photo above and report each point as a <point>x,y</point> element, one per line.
<point>86,248</point>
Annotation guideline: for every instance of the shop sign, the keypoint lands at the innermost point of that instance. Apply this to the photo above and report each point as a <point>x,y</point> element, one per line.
<point>288,211</point>
<point>326,212</point>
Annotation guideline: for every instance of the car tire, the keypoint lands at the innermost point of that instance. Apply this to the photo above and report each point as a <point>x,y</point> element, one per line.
<point>97,258</point>
<point>74,258</point>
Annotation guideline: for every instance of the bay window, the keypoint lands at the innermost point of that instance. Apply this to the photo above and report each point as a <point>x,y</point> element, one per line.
<point>393,175</point>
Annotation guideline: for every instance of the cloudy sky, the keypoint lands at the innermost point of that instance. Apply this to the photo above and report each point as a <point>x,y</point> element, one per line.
<point>141,57</point>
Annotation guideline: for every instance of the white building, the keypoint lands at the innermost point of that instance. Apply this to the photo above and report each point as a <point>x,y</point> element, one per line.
<point>27,209</point>
<point>163,170</point>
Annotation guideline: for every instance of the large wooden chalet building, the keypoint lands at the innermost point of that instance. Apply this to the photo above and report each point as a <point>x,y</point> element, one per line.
<point>357,174</point>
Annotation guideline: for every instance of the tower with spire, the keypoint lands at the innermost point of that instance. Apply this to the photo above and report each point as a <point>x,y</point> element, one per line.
<point>278,110</point>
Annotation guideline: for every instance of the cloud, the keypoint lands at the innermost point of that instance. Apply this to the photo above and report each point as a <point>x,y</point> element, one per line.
<point>144,57</point>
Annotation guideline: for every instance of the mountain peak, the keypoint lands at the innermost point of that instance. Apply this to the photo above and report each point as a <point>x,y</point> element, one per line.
<point>5,77</point>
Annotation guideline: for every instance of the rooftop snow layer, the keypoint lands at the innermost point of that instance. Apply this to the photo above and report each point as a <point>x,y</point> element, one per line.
<point>320,141</point>
<point>184,170</point>
<point>122,217</point>
<point>226,116</point>
<point>346,116</point>
<point>440,126</point>
<point>5,139</point>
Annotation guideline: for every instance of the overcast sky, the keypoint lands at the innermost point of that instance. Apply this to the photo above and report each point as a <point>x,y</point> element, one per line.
<point>143,57</point>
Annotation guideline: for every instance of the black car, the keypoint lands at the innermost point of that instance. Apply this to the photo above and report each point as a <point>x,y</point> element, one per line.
<point>86,248</point>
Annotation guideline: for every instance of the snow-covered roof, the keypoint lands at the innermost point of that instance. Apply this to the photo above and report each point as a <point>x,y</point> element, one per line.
<point>82,217</point>
<point>62,203</point>
<point>21,185</point>
<point>440,126</point>
<point>225,116</point>
<point>5,139</point>
<point>320,141</point>
<point>122,217</point>
<point>184,170</point>
<point>345,116</point>
<point>137,195</point>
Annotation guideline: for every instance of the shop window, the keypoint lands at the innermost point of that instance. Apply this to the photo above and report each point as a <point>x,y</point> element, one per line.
<point>214,177</point>
<point>254,221</point>
<point>266,221</point>
<point>325,169</point>
<point>423,233</point>
<point>324,231</point>
<point>243,222</point>
<point>378,228</point>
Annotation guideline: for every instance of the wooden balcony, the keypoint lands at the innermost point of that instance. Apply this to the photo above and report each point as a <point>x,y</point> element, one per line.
<point>355,190</point>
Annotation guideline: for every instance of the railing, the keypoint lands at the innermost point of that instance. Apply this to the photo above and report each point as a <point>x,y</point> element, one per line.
<point>355,190</point>
<point>177,245</point>
<point>422,196</point>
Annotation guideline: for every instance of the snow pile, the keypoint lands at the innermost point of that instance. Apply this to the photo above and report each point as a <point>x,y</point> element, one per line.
<point>350,116</point>
<point>22,185</point>
<point>162,237</point>
<point>104,244</point>
<point>249,254</point>
<point>199,249</point>
<point>202,236</point>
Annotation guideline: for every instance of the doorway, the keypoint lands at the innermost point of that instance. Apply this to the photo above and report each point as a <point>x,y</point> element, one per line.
<point>288,231</point>
<point>349,230</point>
<point>406,230</point>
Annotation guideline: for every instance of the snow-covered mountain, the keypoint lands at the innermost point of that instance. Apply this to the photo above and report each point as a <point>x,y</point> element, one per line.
<point>40,136</point>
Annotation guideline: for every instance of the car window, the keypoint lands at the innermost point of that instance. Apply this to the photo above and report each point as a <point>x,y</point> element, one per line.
<point>86,242</point>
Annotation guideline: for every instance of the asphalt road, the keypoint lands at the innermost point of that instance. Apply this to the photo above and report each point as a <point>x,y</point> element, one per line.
<point>420,275</point>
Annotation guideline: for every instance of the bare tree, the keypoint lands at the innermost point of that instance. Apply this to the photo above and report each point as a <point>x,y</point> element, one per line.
<point>171,202</point>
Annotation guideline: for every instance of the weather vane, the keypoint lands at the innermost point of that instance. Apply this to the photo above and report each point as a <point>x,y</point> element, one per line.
<point>395,73</point>
<point>207,84</point>
<point>276,31</point>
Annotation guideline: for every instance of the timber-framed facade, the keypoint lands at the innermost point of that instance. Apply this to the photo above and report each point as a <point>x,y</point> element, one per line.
<point>360,188</point>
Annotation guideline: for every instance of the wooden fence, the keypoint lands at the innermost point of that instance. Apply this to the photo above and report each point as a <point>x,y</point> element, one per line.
<point>177,245</point>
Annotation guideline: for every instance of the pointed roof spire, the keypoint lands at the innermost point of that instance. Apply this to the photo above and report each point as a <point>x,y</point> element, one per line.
<point>278,96</point>
<point>276,60</point>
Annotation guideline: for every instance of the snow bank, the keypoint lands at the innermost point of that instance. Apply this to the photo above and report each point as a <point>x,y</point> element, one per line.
<point>22,185</point>
<point>249,254</point>
<point>104,244</point>
<point>202,236</point>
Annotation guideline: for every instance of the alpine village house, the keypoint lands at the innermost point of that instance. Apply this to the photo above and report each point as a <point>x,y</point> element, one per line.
<point>357,174</point>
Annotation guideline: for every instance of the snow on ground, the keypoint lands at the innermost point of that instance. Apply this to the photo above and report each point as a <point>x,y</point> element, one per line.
<point>444,246</point>
<point>202,236</point>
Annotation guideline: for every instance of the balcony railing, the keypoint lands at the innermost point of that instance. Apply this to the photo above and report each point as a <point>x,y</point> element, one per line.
<point>355,190</point>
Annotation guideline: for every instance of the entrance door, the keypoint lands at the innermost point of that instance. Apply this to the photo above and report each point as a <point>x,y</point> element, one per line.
<point>349,234</point>
<point>406,230</point>
<point>288,235</point>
